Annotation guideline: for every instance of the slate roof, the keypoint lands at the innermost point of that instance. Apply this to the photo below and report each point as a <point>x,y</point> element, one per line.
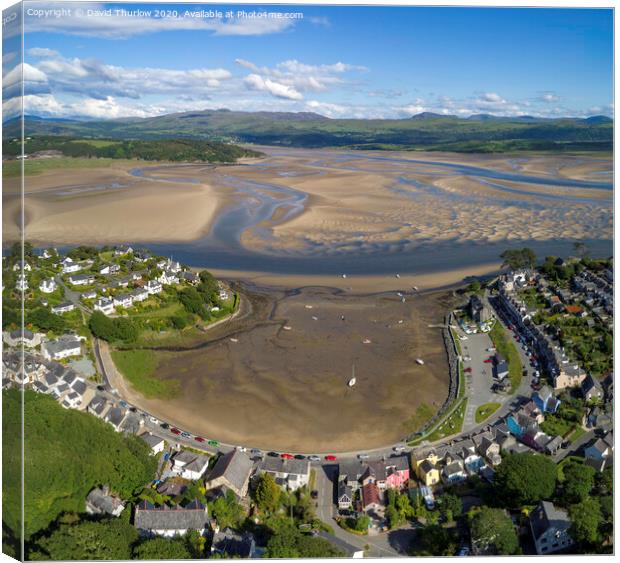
<point>235,467</point>
<point>148,517</point>
<point>233,543</point>
<point>102,502</point>
<point>546,515</point>
<point>151,439</point>
<point>288,466</point>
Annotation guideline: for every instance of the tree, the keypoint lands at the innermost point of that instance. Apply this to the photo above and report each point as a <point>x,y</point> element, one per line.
<point>393,517</point>
<point>227,511</point>
<point>578,482</point>
<point>586,518</point>
<point>362,523</point>
<point>581,249</point>
<point>605,481</point>
<point>162,548</point>
<point>518,258</point>
<point>267,493</point>
<point>450,506</point>
<point>288,542</point>
<point>105,539</point>
<point>492,532</point>
<point>525,479</point>
<point>433,540</point>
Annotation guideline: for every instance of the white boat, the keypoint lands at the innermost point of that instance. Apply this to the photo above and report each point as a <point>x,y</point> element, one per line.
<point>352,381</point>
<point>286,327</point>
<point>366,341</point>
<point>234,340</point>
<point>344,275</point>
<point>308,306</point>
<point>315,318</point>
<point>398,276</point>
<point>420,361</point>
<point>415,288</point>
<point>400,322</point>
<point>403,300</point>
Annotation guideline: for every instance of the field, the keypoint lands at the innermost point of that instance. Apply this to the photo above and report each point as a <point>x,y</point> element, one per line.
<point>139,367</point>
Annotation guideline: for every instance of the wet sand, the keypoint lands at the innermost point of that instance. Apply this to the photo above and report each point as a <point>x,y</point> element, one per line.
<point>287,389</point>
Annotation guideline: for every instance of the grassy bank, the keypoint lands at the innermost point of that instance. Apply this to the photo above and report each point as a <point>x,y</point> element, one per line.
<point>509,351</point>
<point>485,411</point>
<point>12,168</point>
<point>138,367</point>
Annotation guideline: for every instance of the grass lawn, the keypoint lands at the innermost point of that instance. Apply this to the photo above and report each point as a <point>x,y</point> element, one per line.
<point>509,351</point>
<point>449,425</point>
<point>577,433</point>
<point>556,426</point>
<point>166,311</point>
<point>485,411</point>
<point>138,366</point>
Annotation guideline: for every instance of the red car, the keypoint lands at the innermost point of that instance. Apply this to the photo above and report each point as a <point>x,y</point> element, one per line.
<point>175,431</point>
<point>467,370</point>
<point>286,456</point>
<point>488,361</point>
<point>330,458</point>
<point>199,439</point>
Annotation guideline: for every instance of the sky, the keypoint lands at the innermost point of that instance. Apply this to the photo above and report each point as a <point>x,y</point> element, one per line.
<point>86,60</point>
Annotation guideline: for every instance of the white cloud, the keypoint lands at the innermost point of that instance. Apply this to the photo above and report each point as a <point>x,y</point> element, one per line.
<point>256,82</point>
<point>42,52</point>
<point>549,97</point>
<point>492,98</point>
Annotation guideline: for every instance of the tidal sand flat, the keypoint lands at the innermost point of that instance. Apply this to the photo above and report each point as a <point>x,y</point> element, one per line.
<point>278,379</point>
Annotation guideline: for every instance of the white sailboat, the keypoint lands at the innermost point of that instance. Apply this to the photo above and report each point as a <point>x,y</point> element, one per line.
<point>352,381</point>
<point>420,361</point>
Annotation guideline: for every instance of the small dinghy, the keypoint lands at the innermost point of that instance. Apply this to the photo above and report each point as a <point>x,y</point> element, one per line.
<point>234,340</point>
<point>308,306</point>
<point>287,327</point>
<point>366,341</point>
<point>420,361</point>
<point>352,381</point>
<point>315,318</point>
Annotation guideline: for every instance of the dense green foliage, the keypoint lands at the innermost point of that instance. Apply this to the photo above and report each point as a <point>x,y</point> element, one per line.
<point>518,258</point>
<point>267,493</point>
<point>425,131</point>
<point>525,479</point>
<point>176,150</point>
<point>162,548</point>
<point>67,453</point>
<point>107,539</point>
<point>578,482</point>
<point>112,330</point>
<point>290,542</point>
<point>434,540</point>
<point>586,519</point>
<point>493,532</point>
<point>227,511</point>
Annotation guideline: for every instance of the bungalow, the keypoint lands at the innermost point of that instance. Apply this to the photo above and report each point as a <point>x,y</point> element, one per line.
<point>72,400</point>
<point>100,501</point>
<point>109,269</point>
<point>139,295</point>
<point>154,442</point>
<point>65,307</point>
<point>153,287</point>
<point>168,278</point>
<point>123,300</point>
<point>232,471</point>
<point>345,496</point>
<point>89,295</point>
<point>190,277</point>
<point>122,282</point>
<point>64,347</point>
<point>291,473</point>
<point>591,389</point>
<point>40,387</point>
<point>70,267</point>
<point>122,250</point>
<point>229,544</point>
<point>165,521</point>
<point>105,305</point>
<point>550,528</point>
<point>48,286</point>
<point>190,465</point>
<point>82,279</point>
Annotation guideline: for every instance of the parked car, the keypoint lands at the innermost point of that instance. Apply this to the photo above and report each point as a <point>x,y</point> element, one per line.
<point>242,448</point>
<point>467,370</point>
<point>314,494</point>
<point>199,439</point>
<point>175,431</point>
<point>214,443</point>
<point>273,454</point>
<point>488,361</point>
<point>399,448</point>
<point>165,425</point>
<point>314,458</point>
<point>300,456</point>
<point>330,458</point>
<point>287,456</point>
<point>123,404</point>
<point>153,419</point>
<point>100,387</point>
<point>362,456</point>
<point>185,434</point>
<point>256,451</point>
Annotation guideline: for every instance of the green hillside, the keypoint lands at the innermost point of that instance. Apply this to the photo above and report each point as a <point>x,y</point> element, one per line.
<point>425,131</point>
<point>67,453</point>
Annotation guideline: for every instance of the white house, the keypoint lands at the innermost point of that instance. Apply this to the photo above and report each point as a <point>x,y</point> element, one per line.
<point>153,287</point>
<point>83,279</point>
<point>168,278</point>
<point>105,305</point>
<point>123,300</point>
<point>92,294</point>
<point>292,473</point>
<point>64,347</point>
<point>190,465</point>
<point>139,294</point>
<point>69,266</point>
<point>48,286</point>
<point>156,443</point>
<point>63,308</point>
<point>109,269</point>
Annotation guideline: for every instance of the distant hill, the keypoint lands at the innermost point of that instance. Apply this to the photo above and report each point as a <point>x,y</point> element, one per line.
<point>427,131</point>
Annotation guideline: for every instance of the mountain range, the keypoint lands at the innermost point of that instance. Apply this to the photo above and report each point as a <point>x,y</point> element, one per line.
<point>428,131</point>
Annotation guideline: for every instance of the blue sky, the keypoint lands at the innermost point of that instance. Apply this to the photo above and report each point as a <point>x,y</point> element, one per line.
<point>337,61</point>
